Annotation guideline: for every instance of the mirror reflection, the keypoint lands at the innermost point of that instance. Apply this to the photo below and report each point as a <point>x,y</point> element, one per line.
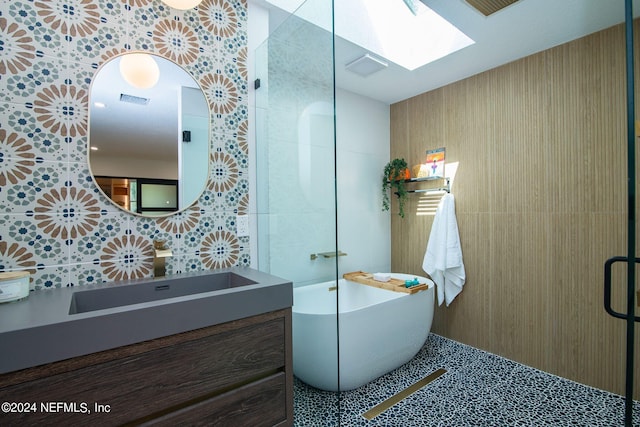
<point>148,134</point>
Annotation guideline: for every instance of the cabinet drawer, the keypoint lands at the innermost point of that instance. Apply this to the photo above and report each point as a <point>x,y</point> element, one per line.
<point>262,403</point>
<point>141,385</point>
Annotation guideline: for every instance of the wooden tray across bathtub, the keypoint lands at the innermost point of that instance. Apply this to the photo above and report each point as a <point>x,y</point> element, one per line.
<point>395,285</point>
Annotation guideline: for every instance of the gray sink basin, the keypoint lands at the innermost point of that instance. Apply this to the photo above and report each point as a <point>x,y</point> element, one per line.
<point>75,321</point>
<point>118,296</point>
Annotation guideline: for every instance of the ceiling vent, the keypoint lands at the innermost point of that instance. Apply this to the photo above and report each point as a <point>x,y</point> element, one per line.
<point>133,99</point>
<point>366,65</point>
<point>488,7</point>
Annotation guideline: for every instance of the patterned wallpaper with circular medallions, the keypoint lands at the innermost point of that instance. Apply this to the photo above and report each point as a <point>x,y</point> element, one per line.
<point>55,222</point>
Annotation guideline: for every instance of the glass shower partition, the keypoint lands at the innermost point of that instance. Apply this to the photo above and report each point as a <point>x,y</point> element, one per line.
<point>295,167</point>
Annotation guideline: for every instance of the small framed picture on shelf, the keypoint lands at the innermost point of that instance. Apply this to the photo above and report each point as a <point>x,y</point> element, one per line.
<point>435,162</point>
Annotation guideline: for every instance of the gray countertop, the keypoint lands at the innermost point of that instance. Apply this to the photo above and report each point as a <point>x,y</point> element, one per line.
<point>40,328</point>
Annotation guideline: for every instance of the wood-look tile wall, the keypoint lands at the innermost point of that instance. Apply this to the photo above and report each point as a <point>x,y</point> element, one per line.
<point>540,194</point>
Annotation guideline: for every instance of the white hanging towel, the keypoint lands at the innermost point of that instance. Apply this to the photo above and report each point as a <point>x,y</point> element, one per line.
<point>443,258</point>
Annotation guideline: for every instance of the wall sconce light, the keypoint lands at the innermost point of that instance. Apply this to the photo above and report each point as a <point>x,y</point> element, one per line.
<point>139,70</point>
<point>182,4</point>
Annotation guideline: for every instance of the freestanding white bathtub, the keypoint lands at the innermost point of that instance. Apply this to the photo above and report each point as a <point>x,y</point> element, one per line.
<point>380,330</point>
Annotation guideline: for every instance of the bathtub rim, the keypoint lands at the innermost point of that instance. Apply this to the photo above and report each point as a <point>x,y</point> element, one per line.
<point>331,283</point>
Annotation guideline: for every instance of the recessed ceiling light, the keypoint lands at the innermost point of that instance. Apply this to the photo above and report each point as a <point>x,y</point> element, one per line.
<point>99,104</point>
<point>94,148</point>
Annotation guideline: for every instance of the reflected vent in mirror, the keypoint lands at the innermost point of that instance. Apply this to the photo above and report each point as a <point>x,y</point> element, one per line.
<point>489,7</point>
<point>133,99</point>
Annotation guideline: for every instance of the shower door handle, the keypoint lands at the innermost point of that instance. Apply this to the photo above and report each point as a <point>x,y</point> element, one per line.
<point>607,287</point>
<point>327,255</point>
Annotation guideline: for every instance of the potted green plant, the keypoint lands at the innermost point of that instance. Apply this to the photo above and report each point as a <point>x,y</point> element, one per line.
<point>395,173</point>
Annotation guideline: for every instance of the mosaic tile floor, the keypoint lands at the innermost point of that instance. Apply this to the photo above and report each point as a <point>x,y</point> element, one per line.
<point>478,389</point>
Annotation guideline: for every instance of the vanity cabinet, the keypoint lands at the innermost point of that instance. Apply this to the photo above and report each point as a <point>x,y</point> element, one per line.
<point>237,373</point>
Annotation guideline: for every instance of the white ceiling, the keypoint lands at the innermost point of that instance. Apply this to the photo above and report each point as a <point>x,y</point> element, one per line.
<point>527,27</point>
<point>524,28</point>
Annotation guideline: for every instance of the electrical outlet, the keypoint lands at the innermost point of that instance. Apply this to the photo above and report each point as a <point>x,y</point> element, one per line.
<point>242,225</point>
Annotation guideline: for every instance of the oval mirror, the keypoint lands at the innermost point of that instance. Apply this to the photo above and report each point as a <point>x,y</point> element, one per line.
<point>148,134</point>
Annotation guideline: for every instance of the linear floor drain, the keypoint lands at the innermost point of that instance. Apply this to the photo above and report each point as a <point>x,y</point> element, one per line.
<point>383,406</point>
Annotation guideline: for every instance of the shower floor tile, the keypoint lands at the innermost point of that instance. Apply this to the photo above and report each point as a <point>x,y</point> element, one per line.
<point>478,389</point>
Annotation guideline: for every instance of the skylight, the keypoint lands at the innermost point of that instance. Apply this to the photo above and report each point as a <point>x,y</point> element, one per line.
<point>390,30</point>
